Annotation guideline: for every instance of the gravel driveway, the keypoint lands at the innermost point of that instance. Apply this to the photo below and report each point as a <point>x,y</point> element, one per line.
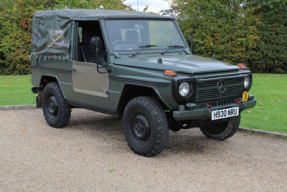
<point>91,155</point>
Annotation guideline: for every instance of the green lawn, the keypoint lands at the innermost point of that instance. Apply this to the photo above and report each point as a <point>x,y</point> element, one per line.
<point>269,89</point>
<point>269,114</point>
<point>16,90</point>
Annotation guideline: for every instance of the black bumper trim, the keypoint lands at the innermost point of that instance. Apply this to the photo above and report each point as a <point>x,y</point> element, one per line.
<point>34,89</point>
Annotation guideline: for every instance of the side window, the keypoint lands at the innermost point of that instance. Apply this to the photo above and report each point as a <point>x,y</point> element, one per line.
<point>87,30</point>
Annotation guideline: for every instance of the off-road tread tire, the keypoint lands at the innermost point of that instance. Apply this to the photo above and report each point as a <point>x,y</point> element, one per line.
<point>159,118</point>
<point>64,107</point>
<point>230,130</point>
<point>39,99</point>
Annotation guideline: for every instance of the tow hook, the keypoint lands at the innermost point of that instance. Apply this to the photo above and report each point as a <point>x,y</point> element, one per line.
<point>238,101</point>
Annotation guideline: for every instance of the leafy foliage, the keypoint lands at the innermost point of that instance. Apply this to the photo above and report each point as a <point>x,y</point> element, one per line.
<point>237,31</point>
<point>272,47</point>
<point>16,17</point>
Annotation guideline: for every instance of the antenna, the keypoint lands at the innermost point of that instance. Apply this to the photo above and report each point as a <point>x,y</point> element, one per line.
<point>137,5</point>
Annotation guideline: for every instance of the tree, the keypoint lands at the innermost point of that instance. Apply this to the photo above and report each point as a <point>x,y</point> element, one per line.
<point>248,31</point>
<point>272,47</point>
<point>223,28</point>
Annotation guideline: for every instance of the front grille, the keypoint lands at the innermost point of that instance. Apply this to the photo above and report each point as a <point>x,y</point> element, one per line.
<point>222,102</point>
<point>208,90</point>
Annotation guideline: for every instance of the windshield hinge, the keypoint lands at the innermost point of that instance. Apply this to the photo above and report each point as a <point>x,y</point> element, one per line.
<point>187,51</point>
<point>116,54</point>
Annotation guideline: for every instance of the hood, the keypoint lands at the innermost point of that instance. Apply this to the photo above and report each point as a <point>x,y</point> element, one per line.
<point>180,63</point>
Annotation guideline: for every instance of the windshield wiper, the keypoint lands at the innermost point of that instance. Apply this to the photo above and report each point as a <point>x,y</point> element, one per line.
<point>170,47</point>
<point>141,48</point>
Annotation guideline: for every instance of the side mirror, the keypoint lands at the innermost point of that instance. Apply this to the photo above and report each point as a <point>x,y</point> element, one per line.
<point>190,43</point>
<point>96,44</point>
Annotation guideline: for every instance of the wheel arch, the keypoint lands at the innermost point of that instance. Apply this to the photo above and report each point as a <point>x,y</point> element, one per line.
<point>45,79</point>
<point>131,90</point>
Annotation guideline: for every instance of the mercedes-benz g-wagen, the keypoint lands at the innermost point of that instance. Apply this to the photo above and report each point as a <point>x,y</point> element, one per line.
<point>137,66</point>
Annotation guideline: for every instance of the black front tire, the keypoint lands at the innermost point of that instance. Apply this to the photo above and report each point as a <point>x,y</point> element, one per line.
<point>145,126</point>
<point>222,131</point>
<point>56,110</point>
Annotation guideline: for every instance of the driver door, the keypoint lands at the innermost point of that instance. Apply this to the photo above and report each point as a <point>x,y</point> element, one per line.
<point>87,78</point>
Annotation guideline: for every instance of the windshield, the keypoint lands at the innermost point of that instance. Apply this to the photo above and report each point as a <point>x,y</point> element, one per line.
<point>135,34</point>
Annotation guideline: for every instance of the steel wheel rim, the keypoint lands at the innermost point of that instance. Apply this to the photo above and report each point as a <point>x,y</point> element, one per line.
<point>52,105</point>
<point>141,127</point>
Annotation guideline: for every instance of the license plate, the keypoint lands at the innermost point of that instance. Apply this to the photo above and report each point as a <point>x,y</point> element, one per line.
<point>225,113</point>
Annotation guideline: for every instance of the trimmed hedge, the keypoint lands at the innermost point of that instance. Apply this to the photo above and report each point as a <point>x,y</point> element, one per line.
<point>253,32</point>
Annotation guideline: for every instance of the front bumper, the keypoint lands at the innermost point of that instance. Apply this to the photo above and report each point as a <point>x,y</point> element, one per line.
<point>206,112</point>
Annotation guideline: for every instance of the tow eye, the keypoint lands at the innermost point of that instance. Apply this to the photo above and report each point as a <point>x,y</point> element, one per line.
<point>238,101</point>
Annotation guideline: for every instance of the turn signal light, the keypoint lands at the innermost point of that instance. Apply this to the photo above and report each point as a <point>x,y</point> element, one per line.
<point>169,73</point>
<point>241,66</point>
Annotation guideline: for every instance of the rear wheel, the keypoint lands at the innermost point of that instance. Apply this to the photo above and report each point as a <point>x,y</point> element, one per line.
<point>222,131</point>
<point>145,126</point>
<point>39,99</point>
<point>56,110</point>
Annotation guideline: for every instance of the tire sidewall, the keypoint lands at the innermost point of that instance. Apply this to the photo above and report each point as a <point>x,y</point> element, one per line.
<point>228,131</point>
<point>49,91</point>
<point>139,146</point>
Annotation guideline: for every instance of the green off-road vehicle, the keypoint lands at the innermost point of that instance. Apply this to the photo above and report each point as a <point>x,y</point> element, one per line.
<point>137,66</point>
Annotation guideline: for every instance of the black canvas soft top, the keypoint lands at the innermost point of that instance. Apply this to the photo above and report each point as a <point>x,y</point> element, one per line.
<point>88,14</point>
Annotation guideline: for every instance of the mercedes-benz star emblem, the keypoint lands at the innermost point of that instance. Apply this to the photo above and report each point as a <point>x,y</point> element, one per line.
<point>221,86</point>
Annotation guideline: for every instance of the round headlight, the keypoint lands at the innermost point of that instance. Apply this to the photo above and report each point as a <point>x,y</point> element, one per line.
<point>184,89</point>
<point>247,82</point>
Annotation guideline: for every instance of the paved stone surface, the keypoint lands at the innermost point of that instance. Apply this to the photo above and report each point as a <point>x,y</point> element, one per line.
<point>91,155</point>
